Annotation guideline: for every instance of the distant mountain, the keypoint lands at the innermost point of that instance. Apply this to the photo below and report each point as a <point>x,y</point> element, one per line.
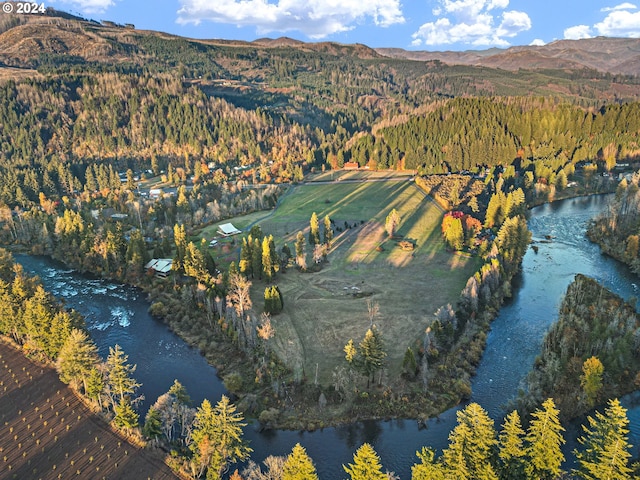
<point>612,55</point>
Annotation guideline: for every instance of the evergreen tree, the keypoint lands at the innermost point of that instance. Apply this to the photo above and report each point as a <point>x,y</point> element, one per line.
<point>366,465</point>
<point>471,445</point>
<point>314,230</point>
<point>428,468</point>
<point>77,357</point>
<point>605,455</point>
<point>300,251</point>
<point>267,265</point>
<point>409,364</point>
<point>328,232</point>
<point>511,443</point>
<point>543,441</point>
<point>216,440</point>
<point>246,256</point>
<point>152,428</point>
<point>371,353</point>
<point>391,222</point>
<point>180,239</point>
<point>591,379</point>
<point>125,417</point>
<point>120,379</point>
<point>298,465</point>
<point>256,258</point>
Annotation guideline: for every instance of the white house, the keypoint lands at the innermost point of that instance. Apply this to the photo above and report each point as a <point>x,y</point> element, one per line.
<point>227,229</point>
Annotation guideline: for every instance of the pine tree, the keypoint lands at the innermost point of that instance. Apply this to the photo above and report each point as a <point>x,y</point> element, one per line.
<point>256,258</point>
<point>125,417</point>
<point>152,428</point>
<point>471,444</point>
<point>591,379</point>
<point>511,442</point>
<point>246,256</point>
<point>606,446</point>
<point>267,265</point>
<point>371,353</point>
<point>428,468</point>
<point>216,440</point>
<point>314,230</point>
<point>77,357</point>
<point>366,465</point>
<point>328,232</point>
<point>543,441</point>
<point>391,222</point>
<point>298,465</point>
<point>300,251</point>
<point>119,375</point>
<point>409,364</point>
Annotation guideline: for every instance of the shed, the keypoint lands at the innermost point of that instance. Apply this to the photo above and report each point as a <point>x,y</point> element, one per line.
<point>227,229</point>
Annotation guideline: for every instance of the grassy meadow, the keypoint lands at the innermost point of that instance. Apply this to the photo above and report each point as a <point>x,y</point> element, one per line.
<point>323,310</point>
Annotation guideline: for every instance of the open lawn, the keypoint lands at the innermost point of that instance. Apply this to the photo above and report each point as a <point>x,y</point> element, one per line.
<point>323,310</point>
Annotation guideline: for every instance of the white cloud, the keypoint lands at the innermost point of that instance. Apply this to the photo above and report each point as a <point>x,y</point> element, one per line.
<point>620,23</point>
<point>90,6</point>
<point>577,32</point>
<point>537,42</point>
<point>622,6</point>
<point>472,22</point>
<point>314,18</point>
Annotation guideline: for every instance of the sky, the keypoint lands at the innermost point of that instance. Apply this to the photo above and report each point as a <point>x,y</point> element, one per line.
<point>433,25</point>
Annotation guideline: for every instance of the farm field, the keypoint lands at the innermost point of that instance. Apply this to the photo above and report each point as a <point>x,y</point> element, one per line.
<point>49,433</point>
<point>323,310</point>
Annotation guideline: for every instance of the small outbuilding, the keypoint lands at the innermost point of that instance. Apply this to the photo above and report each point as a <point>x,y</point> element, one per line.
<point>227,230</point>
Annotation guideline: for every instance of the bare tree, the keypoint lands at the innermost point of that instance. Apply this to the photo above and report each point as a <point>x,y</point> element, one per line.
<point>239,294</point>
<point>373,311</point>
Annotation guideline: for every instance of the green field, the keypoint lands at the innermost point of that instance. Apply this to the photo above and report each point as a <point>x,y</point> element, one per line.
<point>323,310</point>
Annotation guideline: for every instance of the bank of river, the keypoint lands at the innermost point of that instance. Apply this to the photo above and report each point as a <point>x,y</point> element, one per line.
<point>118,314</point>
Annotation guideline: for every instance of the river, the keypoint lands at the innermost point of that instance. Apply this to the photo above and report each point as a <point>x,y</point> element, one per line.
<point>118,314</point>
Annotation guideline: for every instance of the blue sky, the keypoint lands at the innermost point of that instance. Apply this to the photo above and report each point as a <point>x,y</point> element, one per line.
<point>409,24</point>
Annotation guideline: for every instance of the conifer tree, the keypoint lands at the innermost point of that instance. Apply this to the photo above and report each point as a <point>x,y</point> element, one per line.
<point>428,468</point>
<point>298,465</point>
<point>511,442</point>
<point>152,428</point>
<point>371,353</point>
<point>328,232</point>
<point>471,444</point>
<point>591,379</point>
<point>77,357</point>
<point>366,465</point>
<point>246,255</point>
<point>300,251</point>
<point>267,265</point>
<point>120,379</point>
<point>314,230</point>
<point>216,440</point>
<point>256,258</point>
<point>543,443</point>
<point>391,222</point>
<point>605,455</point>
<point>125,417</point>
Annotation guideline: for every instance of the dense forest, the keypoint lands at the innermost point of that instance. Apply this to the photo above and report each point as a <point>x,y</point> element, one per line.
<point>589,354</point>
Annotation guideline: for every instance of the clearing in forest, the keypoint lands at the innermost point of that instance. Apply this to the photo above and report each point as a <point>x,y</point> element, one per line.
<point>324,309</point>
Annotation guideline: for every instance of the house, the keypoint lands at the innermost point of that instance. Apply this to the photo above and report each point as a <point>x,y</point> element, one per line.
<point>160,266</point>
<point>227,230</point>
<point>351,165</point>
